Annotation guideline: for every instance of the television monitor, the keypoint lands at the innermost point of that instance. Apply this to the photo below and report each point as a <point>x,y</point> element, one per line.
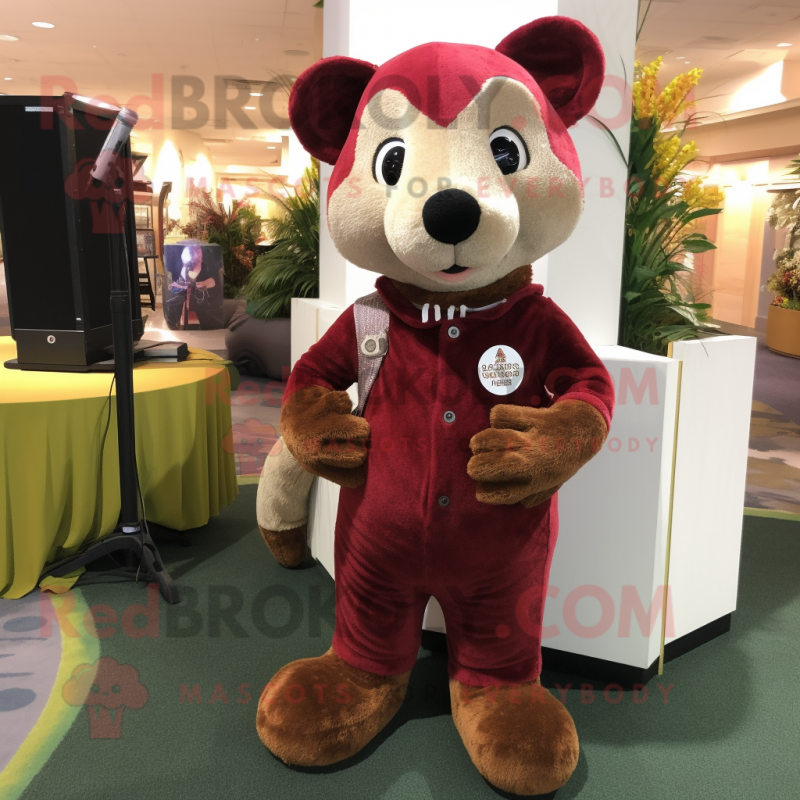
<point>56,243</point>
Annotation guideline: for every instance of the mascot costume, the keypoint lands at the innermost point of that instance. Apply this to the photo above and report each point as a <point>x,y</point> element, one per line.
<point>478,397</point>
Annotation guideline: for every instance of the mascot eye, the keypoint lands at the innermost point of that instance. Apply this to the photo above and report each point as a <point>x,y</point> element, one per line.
<point>509,150</point>
<point>389,162</point>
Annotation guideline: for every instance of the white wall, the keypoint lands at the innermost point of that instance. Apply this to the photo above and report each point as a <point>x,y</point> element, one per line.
<point>583,275</point>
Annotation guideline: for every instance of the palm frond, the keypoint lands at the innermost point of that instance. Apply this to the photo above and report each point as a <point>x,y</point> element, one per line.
<point>291,268</point>
<point>236,231</point>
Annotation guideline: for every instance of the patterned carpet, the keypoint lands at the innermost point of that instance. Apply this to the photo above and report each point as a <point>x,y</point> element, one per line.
<point>256,412</point>
<point>773,465</point>
<point>773,470</point>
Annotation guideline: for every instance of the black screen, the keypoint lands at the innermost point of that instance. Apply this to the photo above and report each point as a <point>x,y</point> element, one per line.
<point>56,242</point>
<point>33,216</point>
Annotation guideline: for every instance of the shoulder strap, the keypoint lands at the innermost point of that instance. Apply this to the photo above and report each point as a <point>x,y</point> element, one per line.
<point>372,336</point>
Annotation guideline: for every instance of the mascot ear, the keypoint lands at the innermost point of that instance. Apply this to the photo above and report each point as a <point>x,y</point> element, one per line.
<point>323,104</point>
<point>566,60</point>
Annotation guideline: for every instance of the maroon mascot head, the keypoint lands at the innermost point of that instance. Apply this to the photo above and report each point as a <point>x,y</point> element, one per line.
<point>453,164</point>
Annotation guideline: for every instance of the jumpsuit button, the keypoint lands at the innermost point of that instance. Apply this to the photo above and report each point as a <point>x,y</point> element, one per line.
<point>449,416</point>
<point>444,501</point>
<point>453,332</point>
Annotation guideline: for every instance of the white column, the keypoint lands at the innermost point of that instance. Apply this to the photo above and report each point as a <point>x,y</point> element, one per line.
<point>585,273</point>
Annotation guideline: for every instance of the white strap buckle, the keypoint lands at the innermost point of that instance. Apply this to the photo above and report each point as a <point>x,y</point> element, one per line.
<point>373,346</point>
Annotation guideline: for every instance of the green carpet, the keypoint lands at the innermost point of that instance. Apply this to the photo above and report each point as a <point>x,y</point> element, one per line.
<point>730,729</point>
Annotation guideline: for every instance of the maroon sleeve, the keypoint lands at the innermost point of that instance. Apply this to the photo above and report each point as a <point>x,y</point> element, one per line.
<point>332,362</point>
<point>571,368</point>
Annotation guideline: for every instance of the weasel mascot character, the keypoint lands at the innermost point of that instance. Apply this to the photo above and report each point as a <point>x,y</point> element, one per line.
<point>453,172</point>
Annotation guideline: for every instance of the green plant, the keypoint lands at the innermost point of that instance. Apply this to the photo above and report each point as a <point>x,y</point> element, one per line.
<point>658,304</point>
<point>784,213</point>
<point>235,231</point>
<point>291,268</point>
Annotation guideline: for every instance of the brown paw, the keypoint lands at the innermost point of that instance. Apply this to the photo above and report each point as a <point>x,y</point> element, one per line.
<point>520,738</point>
<point>529,452</point>
<point>317,711</point>
<point>288,547</point>
<point>324,436</point>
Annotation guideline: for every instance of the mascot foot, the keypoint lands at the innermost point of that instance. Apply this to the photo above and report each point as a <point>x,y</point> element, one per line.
<point>288,547</point>
<point>520,738</point>
<point>317,711</point>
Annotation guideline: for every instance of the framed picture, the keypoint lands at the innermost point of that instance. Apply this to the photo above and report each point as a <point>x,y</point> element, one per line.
<point>143,215</point>
<point>192,285</point>
<point>146,243</point>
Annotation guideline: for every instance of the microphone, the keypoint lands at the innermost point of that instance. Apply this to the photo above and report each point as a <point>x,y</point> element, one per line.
<point>117,137</point>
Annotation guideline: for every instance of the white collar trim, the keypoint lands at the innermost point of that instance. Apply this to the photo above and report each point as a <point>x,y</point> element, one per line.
<point>451,310</point>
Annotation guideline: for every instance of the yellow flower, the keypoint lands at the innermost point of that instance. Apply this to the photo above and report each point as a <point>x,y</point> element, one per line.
<point>692,192</point>
<point>666,149</point>
<point>644,88</point>
<point>712,198</point>
<point>695,195</point>
<point>671,103</point>
<point>668,104</point>
<point>671,158</point>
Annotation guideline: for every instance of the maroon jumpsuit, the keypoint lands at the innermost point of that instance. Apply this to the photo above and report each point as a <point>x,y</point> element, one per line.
<point>415,528</point>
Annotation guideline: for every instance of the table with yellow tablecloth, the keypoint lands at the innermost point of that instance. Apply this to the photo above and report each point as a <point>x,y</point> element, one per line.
<point>56,496</point>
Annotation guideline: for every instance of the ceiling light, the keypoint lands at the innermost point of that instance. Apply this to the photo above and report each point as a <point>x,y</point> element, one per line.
<point>7,37</point>
<point>782,44</point>
<point>680,57</point>
<point>256,94</point>
<point>249,108</point>
<point>43,25</point>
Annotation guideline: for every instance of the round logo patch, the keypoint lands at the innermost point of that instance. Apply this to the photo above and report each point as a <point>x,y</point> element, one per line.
<point>501,369</point>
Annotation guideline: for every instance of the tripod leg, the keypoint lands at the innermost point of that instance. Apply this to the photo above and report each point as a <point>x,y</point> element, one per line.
<point>169,591</point>
<point>130,543</point>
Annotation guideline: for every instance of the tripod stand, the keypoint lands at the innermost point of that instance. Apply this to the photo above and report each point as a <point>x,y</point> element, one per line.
<point>131,534</point>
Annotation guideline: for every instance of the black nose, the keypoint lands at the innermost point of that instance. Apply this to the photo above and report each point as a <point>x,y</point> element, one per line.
<point>451,216</point>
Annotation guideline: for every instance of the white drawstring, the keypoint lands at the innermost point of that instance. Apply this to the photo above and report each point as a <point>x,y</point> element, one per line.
<point>437,311</point>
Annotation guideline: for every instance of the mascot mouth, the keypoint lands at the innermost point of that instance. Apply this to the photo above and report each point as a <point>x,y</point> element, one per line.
<point>455,274</point>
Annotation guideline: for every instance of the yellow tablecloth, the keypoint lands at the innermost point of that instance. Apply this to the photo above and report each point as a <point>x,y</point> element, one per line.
<point>54,495</point>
